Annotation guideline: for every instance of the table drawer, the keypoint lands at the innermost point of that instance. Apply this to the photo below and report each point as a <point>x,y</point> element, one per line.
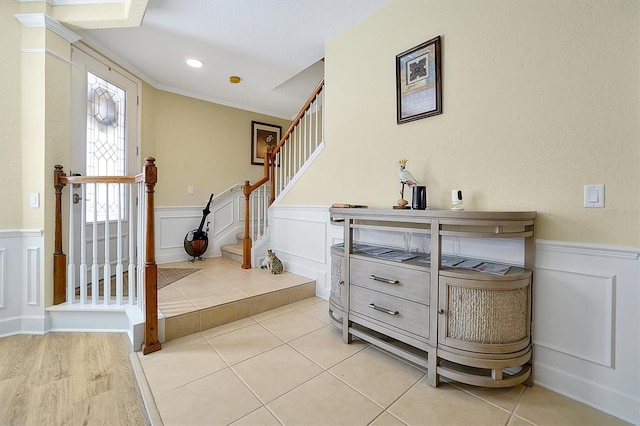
<point>410,284</point>
<point>399,313</point>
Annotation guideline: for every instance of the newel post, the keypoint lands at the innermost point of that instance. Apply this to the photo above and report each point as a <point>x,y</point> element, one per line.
<point>151,342</point>
<point>246,241</point>
<point>59,258</point>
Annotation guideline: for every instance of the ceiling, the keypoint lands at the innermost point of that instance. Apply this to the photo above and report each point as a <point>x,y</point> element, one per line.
<point>276,47</point>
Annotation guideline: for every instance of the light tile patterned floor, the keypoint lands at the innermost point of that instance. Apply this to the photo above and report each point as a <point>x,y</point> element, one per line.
<point>289,366</point>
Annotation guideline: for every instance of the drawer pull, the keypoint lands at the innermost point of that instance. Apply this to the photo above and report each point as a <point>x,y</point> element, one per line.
<point>381,309</point>
<point>383,280</point>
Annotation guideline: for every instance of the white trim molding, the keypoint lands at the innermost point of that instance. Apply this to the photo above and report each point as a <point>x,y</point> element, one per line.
<point>48,52</point>
<point>42,20</point>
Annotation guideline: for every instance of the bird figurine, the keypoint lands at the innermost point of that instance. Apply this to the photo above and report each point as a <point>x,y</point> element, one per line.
<point>406,178</point>
<point>405,175</point>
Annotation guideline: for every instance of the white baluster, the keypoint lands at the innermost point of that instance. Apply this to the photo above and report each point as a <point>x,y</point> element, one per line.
<point>83,246</point>
<point>260,207</point>
<point>106,282</point>
<point>71,267</point>
<point>315,122</point>
<point>119,279</point>
<point>278,180</point>
<point>252,222</point>
<point>290,157</point>
<point>142,206</point>
<point>307,135</point>
<point>131,274</point>
<point>95,281</point>
<point>323,114</point>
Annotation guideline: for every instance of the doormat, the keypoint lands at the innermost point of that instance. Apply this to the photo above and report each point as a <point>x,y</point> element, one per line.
<point>166,276</point>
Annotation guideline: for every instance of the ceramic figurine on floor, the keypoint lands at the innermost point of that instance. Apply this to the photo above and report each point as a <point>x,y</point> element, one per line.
<point>406,178</point>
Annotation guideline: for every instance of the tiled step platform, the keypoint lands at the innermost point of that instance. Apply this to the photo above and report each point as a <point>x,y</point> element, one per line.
<point>220,291</point>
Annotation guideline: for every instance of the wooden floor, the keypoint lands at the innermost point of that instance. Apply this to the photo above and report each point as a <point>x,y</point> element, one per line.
<point>68,378</point>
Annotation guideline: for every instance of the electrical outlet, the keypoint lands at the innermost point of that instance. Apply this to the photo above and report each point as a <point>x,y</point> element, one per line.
<point>190,190</point>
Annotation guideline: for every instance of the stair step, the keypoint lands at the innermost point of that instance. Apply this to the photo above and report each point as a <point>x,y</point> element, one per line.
<point>232,251</point>
<point>240,237</point>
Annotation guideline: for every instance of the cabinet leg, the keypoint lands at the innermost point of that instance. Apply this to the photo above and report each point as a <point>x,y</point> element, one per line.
<point>529,381</point>
<point>496,374</point>
<point>432,370</point>
<point>346,336</point>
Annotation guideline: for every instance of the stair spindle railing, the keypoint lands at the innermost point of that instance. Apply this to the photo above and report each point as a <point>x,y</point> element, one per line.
<point>281,166</point>
<point>141,267</point>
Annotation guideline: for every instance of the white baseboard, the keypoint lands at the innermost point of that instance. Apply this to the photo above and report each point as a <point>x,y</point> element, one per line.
<point>588,392</point>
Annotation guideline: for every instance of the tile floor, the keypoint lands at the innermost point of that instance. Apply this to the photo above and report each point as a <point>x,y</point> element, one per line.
<point>289,366</point>
<point>221,291</point>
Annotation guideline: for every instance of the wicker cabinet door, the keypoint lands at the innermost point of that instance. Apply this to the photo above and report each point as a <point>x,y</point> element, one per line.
<point>485,316</point>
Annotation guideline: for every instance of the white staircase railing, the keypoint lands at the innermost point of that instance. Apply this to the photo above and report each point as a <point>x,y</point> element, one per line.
<point>284,164</point>
<point>110,242</point>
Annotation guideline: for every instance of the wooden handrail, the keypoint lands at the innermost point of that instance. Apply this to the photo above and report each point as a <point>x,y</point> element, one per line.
<point>269,174</point>
<point>296,120</point>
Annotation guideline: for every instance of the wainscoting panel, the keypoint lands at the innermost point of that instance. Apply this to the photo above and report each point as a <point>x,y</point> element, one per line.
<point>222,217</point>
<point>21,282</point>
<point>300,237</point>
<point>586,324</point>
<point>173,224</point>
<point>3,276</point>
<point>576,317</point>
<point>174,228</point>
<point>33,282</point>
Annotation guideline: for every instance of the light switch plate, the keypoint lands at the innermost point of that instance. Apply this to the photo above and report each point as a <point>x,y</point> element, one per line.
<point>594,195</point>
<point>34,200</point>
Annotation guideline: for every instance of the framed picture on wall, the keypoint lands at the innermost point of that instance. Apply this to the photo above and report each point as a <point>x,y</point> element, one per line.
<point>263,135</point>
<point>418,82</point>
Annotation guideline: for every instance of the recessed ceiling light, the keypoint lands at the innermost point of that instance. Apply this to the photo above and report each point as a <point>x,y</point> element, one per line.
<point>194,63</point>
<point>234,79</point>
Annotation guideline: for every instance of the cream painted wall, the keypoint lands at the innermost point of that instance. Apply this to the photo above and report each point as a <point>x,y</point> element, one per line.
<point>199,144</point>
<point>148,130</point>
<point>34,131</point>
<point>10,147</point>
<point>540,98</point>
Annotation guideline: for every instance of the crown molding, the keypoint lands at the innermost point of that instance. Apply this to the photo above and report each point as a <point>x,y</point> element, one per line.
<point>71,2</point>
<point>42,20</point>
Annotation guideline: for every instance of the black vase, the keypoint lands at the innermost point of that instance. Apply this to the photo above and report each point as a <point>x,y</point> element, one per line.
<point>419,200</point>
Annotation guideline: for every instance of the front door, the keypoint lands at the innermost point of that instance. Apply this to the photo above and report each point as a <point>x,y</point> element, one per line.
<point>104,122</point>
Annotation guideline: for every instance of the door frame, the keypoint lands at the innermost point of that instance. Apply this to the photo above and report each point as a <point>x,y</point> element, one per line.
<point>86,59</point>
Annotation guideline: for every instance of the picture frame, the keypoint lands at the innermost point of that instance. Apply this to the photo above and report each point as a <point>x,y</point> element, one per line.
<point>419,82</point>
<point>263,135</point>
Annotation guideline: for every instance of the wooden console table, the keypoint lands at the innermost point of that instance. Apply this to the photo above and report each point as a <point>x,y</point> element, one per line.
<point>463,324</point>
